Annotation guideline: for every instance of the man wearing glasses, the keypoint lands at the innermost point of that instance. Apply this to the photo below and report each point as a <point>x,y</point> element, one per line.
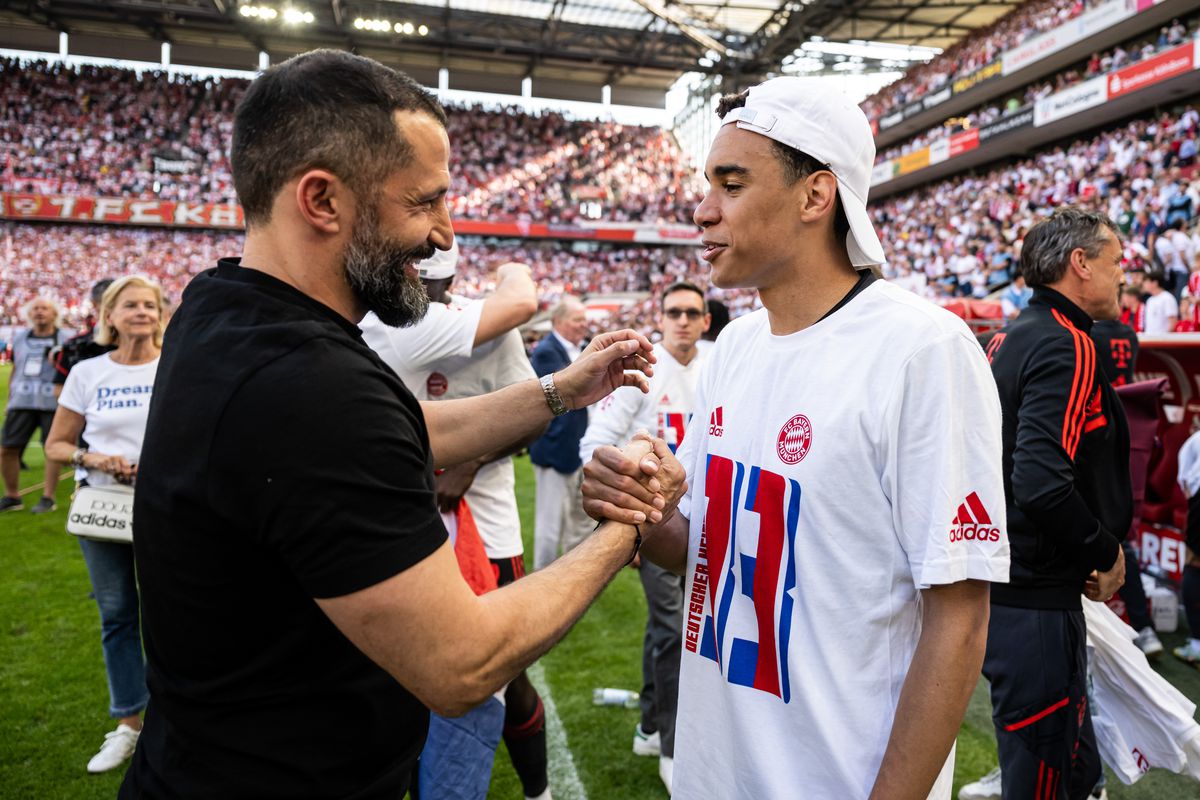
<point>664,412</point>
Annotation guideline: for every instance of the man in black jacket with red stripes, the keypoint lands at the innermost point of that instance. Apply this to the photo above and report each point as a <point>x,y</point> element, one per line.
<point>1069,504</point>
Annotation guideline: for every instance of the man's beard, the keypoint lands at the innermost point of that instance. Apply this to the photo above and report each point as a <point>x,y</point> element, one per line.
<point>377,270</point>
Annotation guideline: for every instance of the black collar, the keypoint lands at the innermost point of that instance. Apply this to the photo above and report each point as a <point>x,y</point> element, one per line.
<point>1043,295</point>
<point>232,269</point>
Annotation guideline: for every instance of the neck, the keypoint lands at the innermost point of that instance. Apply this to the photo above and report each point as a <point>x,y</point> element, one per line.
<point>135,351</point>
<point>46,329</point>
<point>565,337</point>
<point>807,293</point>
<point>308,269</point>
<point>681,353</point>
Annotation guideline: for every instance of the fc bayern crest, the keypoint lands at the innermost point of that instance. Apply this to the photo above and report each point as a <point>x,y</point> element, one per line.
<point>795,439</point>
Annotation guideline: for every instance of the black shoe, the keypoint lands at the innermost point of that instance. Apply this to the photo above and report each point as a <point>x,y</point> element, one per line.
<point>11,504</point>
<point>43,506</point>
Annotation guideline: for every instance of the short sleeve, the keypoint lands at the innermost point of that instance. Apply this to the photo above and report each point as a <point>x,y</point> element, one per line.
<point>75,391</point>
<point>943,467</point>
<point>690,449</point>
<point>444,333</point>
<point>334,472</point>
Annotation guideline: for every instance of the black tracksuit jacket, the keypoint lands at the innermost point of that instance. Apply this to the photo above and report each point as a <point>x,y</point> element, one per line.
<point>1066,455</point>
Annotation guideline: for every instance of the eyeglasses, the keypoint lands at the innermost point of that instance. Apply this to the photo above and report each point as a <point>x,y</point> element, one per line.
<point>693,314</point>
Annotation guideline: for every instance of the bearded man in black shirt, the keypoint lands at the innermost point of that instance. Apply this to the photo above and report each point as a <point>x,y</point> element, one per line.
<point>302,606</point>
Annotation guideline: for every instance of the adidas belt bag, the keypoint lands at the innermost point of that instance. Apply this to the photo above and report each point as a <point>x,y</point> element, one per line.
<point>102,512</point>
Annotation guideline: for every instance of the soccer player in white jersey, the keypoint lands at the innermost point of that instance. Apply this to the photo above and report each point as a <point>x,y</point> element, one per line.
<point>846,506</point>
<point>666,411</point>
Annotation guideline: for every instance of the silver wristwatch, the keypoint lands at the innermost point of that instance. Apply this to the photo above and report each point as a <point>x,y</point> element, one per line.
<point>553,398</point>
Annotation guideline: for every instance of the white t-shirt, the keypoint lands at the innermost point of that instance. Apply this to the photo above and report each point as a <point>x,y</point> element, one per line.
<point>411,352</point>
<point>114,400</point>
<point>492,496</point>
<point>1159,309</point>
<point>832,474</point>
<point>665,411</point>
<point>1189,465</point>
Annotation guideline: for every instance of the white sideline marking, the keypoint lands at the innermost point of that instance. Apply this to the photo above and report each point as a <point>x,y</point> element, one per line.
<point>564,779</point>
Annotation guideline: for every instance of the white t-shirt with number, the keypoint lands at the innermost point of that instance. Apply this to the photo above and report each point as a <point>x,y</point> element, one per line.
<point>664,412</point>
<point>114,400</point>
<point>492,496</point>
<point>833,473</point>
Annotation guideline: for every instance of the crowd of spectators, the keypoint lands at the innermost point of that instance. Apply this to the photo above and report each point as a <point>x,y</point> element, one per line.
<point>108,131</point>
<point>63,261</point>
<point>1130,52</point>
<point>977,50</point>
<point>961,237</point>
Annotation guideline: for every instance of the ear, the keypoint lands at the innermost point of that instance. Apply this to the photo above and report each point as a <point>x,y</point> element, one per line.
<point>821,198</point>
<point>322,200</point>
<point>707,323</point>
<point>1077,263</point>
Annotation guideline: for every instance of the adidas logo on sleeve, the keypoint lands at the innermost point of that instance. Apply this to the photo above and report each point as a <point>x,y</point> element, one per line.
<point>972,522</point>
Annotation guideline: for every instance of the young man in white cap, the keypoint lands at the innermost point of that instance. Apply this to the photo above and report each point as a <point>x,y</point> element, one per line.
<point>845,510</point>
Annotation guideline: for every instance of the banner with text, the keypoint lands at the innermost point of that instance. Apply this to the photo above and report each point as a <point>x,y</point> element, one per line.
<point>165,213</point>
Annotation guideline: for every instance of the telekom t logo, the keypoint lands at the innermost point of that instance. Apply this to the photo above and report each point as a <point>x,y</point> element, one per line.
<point>755,654</point>
<point>1122,351</point>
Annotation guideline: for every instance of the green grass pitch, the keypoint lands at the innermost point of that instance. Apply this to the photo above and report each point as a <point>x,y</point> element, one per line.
<point>53,697</point>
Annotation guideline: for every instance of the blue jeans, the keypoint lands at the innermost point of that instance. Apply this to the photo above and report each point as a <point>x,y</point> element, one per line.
<point>456,763</point>
<point>110,565</point>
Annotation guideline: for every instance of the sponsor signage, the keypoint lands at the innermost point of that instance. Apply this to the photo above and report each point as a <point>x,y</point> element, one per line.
<point>891,120</point>
<point>1163,66</point>
<point>931,100</point>
<point>884,171</point>
<point>1163,547</point>
<point>172,165</point>
<point>121,210</point>
<point>1021,118</point>
<point>939,151</point>
<point>913,161</point>
<point>977,77</point>
<point>1087,24</point>
<point>1088,94</point>
<point>963,142</point>
<point>912,109</point>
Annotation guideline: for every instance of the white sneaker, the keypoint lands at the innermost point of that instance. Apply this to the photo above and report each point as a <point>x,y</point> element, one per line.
<point>1147,641</point>
<point>646,744</point>
<point>117,748</point>
<point>1189,652</point>
<point>666,771</point>
<point>986,788</point>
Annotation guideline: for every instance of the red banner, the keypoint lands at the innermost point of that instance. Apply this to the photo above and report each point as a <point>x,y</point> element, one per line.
<point>1175,61</point>
<point>121,210</point>
<point>130,211</point>
<point>962,142</point>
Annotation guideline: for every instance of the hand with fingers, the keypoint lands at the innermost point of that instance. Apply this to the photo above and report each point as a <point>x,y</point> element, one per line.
<point>1103,585</point>
<point>612,360</point>
<point>637,484</point>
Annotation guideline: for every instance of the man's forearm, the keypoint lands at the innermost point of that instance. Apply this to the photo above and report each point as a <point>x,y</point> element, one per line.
<point>666,543</point>
<point>461,430</point>
<point>944,671</point>
<point>526,618</point>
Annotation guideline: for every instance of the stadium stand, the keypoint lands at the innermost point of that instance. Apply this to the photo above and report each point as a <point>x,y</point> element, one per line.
<point>975,51</point>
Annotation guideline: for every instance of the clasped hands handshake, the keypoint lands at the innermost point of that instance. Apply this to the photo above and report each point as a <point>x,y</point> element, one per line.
<point>638,484</point>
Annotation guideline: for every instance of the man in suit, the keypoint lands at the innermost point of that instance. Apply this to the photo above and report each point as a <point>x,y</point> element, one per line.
<point>555,456</point>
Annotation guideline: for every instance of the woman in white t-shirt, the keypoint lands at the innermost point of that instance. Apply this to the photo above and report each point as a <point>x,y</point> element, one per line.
<point>107,399</point>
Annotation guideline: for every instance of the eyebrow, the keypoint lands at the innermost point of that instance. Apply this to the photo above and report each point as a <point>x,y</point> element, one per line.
<point>725,170</point>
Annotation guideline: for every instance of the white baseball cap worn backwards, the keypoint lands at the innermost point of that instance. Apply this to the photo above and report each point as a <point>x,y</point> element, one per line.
<point>823,123</point>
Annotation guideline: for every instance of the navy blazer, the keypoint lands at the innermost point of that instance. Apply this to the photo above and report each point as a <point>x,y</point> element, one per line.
<point>558,447</point>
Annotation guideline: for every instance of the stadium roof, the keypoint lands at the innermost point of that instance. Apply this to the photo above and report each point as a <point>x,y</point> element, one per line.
<point>568,48</point>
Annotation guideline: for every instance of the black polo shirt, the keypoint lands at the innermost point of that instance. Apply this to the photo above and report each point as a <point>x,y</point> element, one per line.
<point>283,461</point>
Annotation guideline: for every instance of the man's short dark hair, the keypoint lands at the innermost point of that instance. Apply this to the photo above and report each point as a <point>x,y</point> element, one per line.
<point>797,165</point>
<point>683,286</point>
<point>1159,278</point>
<point>1049,244</point>
<point>326,109</point>
<point>720,318</point>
